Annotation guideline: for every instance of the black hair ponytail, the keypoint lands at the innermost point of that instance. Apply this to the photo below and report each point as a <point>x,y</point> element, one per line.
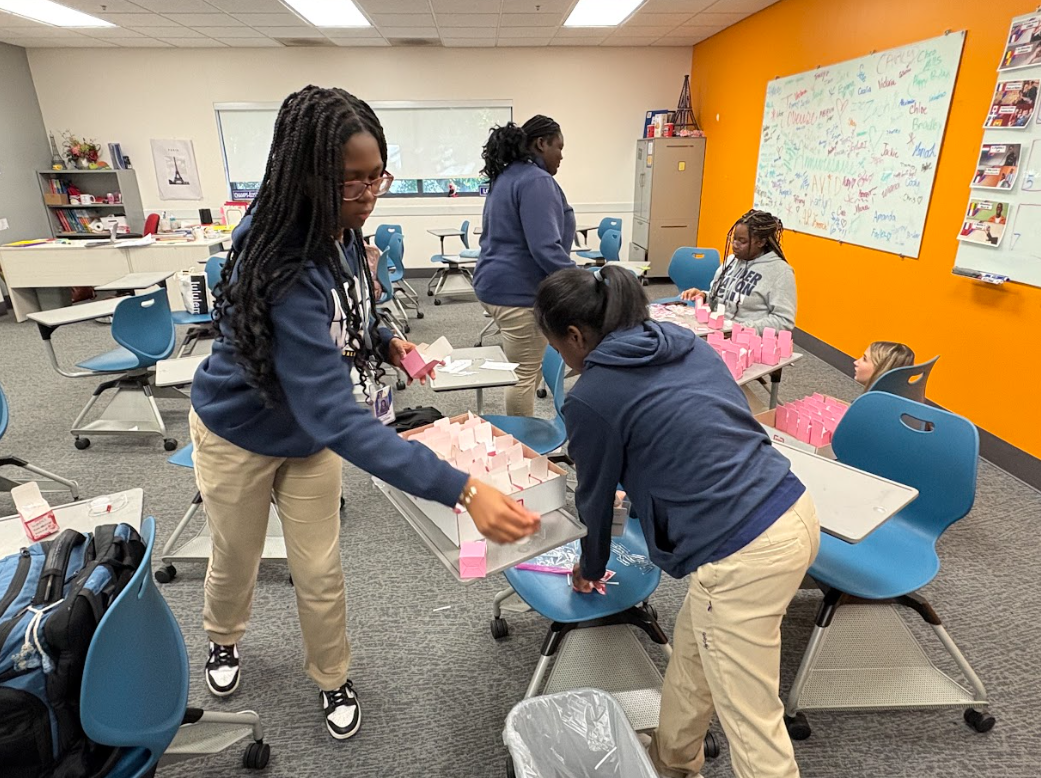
<point>510,143</point>
<point>607,299</point>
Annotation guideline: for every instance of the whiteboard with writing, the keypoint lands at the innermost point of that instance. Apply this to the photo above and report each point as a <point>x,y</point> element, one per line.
<point>849,151</point>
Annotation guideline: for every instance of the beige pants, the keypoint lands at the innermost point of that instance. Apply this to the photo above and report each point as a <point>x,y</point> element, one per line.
<point>727,652</point>
<point>524,344</point>
<point>237,487</point>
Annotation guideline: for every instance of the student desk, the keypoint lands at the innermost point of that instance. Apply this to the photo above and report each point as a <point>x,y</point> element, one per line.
<point>133,282</point>
<point>127,508</point>
<point>28,268</point>
<point>481,379</point>
<point>177,372</point>
<point>441,234</point>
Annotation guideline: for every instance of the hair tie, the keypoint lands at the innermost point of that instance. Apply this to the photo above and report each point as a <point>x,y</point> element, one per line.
<point>598,276</point>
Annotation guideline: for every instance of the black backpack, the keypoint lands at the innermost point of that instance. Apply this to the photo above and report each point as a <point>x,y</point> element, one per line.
<point>52,596</point>
<point>411,418</point>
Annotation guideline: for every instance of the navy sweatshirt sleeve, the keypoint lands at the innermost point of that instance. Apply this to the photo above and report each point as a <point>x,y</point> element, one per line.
<point>594,445</point>
<point>316,382</point>
<point>542,219</point>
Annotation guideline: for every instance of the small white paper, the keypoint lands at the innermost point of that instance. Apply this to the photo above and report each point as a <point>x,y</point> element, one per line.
<point>507,366</point>
<point>466,439</point>
<point>515,455</point>
<point>519,475</point>
<point>498,462</point>
<point>503,442</point>
<point>500,479</point>
<point>443,423</point>
<point>456,367</point>
<point>483,433</point>
<point>539,468</point>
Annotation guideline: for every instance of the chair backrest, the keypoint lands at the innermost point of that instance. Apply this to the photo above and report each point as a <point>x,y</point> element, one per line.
<point>465,229</point>
<point>135,680</point>
<point>611,245</point>
<point>693,268</point>
<point>553,369</point>
<point>214,266</point>
<point>4,415</point>
<point>396,257</point>
<point>383,233</point>
<point>608,223</point>
<point>933,450</point>
<point>143,326</point>
<point>906,382</point>
<point>151,224</point>
<point>383,273</point>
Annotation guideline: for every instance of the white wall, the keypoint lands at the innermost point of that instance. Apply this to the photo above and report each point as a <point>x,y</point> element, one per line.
<point>599,96</point>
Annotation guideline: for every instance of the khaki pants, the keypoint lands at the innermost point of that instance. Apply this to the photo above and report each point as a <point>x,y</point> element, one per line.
<point>727,652</point>
<point>237,487</point>
<point>524,344</point>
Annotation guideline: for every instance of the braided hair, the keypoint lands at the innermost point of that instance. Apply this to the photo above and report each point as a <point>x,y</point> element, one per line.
<point>761,225</point>
<point>511,143</point>
<point>296,219</point>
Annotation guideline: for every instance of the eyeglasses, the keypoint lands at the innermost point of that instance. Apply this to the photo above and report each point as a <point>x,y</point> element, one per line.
<point>353,190</point>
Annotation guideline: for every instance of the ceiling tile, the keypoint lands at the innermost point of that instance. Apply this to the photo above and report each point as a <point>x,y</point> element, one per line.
<point>683,39</point>
<point>675,6</point>
<point>461,6</point>
<point>526,32</point>
<point>249,6</point>
<point>180,33</point>
<point>176,6</point>
<point>584,32</point>
<point>251,43</point>
<point>545,6</point>
<point>403,20</point>
<point>136,21</point>
<point>107,33</point>
<point>508,42</point>
<point>110,6</point>
<point>229,32</point>
<point>355,42</point>
<point>205,20</point>
<point>657,20</point>
<point>142,43</point>
<point>291,32</point>
<point>576,41</point>
<point>643,32</point>
<point>394,6</point>
<point>351,32</point>
<point>741,6</point>
<point>409,32</point>
<point>201,43</point>
<point>544,19</point>
<point>469,43</point>
<point>272,20</point>
<point>712,19</point>
<point>467,20</point>
<point>635,40</point>
<point>51,43</point>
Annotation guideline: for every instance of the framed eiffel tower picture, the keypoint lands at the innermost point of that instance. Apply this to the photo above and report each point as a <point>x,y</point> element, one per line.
<point>176,173</point>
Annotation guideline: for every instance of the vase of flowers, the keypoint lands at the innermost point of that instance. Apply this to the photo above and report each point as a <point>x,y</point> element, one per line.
<point>82,153</point>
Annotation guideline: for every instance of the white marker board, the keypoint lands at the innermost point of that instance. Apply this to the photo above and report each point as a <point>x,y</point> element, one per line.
<point>849,151</point>
<point>1018,255</point>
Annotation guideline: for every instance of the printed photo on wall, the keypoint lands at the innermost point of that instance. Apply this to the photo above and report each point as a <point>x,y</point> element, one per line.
<point>1023,47</point>
<point>175,170</point>
<point>985,222</point>
<point>1013,104</point>
<point>997,166</point>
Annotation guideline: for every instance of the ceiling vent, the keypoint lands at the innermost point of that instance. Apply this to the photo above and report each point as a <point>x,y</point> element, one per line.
<point>414,41</point>
<point>305,42</point>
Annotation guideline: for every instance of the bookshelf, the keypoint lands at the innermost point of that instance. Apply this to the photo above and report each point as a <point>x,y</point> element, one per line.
<point>69,221</point>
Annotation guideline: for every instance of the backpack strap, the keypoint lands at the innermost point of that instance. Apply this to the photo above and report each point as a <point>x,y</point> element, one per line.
<point>55,565</point>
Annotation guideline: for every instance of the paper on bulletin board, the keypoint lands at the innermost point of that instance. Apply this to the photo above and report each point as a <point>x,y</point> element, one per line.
<point>1013,105</point>
<point>985,222</point>
<point>176,172</point>
<point>997,166</point>
<point>1023,47</point>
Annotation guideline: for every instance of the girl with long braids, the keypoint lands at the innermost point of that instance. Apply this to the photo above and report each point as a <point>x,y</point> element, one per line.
<point>528,228</point>
<point>273,409</point>
<point>755,282</point>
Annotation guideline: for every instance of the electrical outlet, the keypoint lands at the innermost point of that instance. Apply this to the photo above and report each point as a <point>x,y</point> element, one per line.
<point>4,225</point>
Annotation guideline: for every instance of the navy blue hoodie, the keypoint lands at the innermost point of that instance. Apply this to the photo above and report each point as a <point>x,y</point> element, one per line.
<point>318,409</point>
<point>656,410</point>
<point>527,231</point>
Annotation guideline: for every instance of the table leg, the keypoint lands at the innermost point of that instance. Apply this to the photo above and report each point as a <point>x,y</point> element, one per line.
<point>480,402</point>
<point>775,385</point>
<point>442,245</point>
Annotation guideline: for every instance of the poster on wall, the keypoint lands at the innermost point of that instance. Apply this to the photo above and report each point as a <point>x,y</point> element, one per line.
<point>1023,47</point>
<point>997,166</point>
<point>175,170</point>
<point>985,222</point>
<point>1013,104</point>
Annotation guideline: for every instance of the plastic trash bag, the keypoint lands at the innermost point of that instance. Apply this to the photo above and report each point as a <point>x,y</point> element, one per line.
<point>582,733</point>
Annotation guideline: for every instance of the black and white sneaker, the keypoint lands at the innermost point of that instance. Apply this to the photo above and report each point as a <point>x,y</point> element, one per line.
<point>342,712</point>
<point>222,669</point>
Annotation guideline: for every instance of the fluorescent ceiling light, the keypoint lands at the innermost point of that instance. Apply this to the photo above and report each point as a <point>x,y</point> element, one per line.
<point>329,13</point>
<point>601,13</point>
<point>51,13</point>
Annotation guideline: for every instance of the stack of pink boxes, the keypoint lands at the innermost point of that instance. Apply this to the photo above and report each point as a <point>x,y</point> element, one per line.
<point>812,419</point>
<point>746,348</point>
<point>705,315</point>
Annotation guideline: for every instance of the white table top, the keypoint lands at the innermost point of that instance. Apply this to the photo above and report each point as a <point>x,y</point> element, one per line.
<point>481,378</point>
<point>177,372</point>
<point>204,242</point>
<point>851,503</point>
<point>586,228</point>
<point>77,516</point>
<point>71,314</point>
<point>446,232</point>
<point>759,370</point>
<point>132,281</point>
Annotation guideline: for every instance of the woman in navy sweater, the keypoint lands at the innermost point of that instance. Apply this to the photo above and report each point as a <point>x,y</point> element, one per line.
<point>528,228</point>
<point>656,410</point>
<point>273,409</point>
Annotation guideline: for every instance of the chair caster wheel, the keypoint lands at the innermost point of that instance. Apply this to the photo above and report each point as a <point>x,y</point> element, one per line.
<point>798,726</point>
<point>419,314</point>
<point>500,628</point>
<point>541,394</point>
<point>651,611</point>
<point>981,722</point>
<point>169,444</point>
<point>429,293</point>
<point>82,443</point>
<point>408,328</point>
<point>400,385</point>
<point>711,746</point>
<point>166,574</point>
<point>511,772</point>
<point>257,756</point>
<point>477,345</point>
<point>343,503</point>
<point>436,301</point>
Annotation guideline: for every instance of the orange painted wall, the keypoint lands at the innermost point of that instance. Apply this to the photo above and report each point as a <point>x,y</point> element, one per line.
<point>848,295</point>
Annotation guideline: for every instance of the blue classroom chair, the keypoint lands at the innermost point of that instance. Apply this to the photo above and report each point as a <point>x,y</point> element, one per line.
<point>452,264</point>
<point>544,436</point>
<point>394,245</point>
<point>909,382</point>
<point>607,223</point>
<point>200,325</point>
<point>384,233</point>
<point>937,453</point>
<point>51,483</point>
<point>134,693</point>
<point>691,268</point>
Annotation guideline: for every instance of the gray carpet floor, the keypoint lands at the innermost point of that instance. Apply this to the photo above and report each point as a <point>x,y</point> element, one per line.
<point>436,688</point>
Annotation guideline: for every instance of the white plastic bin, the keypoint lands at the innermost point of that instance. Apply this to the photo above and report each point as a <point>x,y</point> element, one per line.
<point>582,733</point>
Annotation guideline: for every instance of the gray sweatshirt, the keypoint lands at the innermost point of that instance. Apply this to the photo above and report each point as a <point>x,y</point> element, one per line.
<point>758,293</point>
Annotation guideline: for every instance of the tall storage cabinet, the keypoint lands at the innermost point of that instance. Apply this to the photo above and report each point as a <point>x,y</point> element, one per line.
<point>667,201</point>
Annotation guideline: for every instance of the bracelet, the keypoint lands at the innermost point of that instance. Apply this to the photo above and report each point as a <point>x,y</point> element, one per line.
<point>467,496</point>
